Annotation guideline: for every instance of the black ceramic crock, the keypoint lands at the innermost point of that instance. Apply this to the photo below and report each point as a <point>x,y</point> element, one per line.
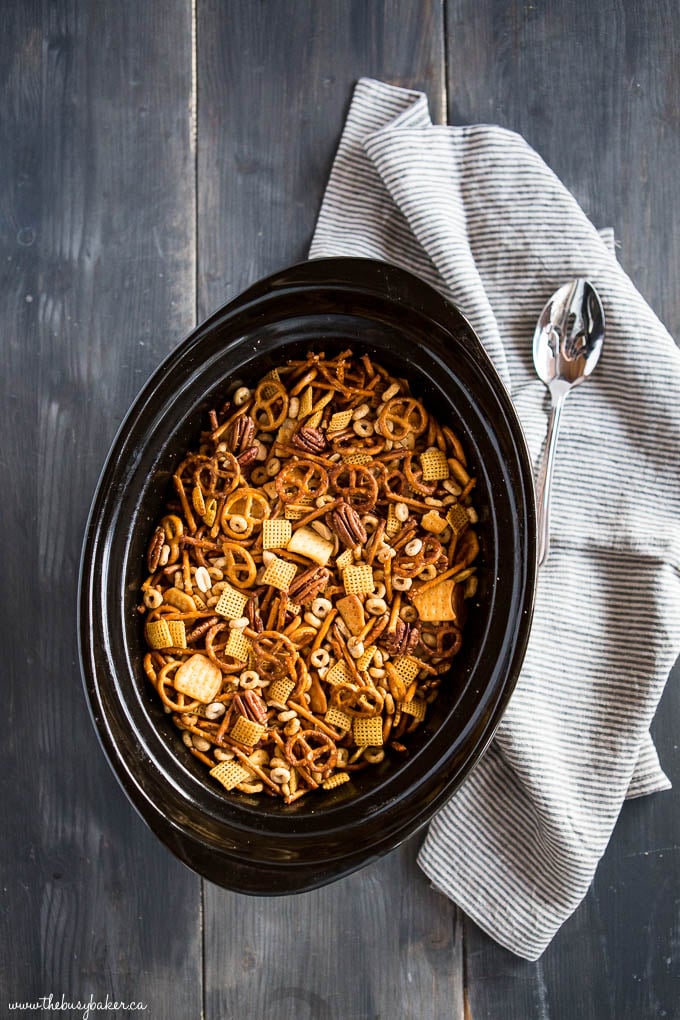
<point>256,845</point>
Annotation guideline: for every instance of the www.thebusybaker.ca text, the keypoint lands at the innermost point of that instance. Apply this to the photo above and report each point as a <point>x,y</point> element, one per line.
<point>84,1007</point>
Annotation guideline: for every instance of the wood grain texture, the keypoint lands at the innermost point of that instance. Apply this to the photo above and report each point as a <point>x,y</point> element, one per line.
<point>595,88</point>
<point>96,283</point>
<point>274,85</point>
<point>379,944</point>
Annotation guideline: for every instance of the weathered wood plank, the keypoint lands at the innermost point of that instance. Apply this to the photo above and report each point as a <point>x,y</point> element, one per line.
<point>595,89</point>
<point>377,944</point>
<point>275,82</point>
<point>96,283</point>
<point>274,85</point>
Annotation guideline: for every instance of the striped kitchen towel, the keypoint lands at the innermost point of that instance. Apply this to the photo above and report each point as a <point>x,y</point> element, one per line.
<point>478,214</point>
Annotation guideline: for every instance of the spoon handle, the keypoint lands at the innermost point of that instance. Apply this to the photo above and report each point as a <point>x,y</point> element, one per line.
<point>545,474</point>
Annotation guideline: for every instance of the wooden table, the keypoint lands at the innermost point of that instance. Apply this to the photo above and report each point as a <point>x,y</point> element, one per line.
<point>156,157</point>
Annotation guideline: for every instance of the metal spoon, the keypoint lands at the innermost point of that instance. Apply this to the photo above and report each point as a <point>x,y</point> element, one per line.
<point>567,345</point>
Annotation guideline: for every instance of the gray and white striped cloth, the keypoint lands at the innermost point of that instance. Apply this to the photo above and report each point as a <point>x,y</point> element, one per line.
<point>478,214</point>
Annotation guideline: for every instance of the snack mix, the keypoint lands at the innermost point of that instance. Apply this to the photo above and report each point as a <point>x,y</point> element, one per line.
<point>306,589</point>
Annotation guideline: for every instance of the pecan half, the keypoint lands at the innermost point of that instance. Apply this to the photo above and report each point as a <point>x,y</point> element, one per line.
<point>201,628</point>
<point>403,639</point>
<point>310,439</point>
<point>348,526</point>
<point>256,706</point>
<point>307,585</point>
<point>253,614</point>
<point>154,551</point>
<point>248,456</point>
<point>242,433</point>
<point>250,705</point>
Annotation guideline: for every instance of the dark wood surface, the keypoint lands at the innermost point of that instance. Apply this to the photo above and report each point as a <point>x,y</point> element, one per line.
<point>155,158</point>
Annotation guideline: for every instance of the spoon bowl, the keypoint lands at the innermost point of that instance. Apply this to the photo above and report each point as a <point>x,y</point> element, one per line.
<point>567,345</point>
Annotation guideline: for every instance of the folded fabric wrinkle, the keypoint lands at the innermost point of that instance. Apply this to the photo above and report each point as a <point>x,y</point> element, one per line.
<point>477,213</point>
